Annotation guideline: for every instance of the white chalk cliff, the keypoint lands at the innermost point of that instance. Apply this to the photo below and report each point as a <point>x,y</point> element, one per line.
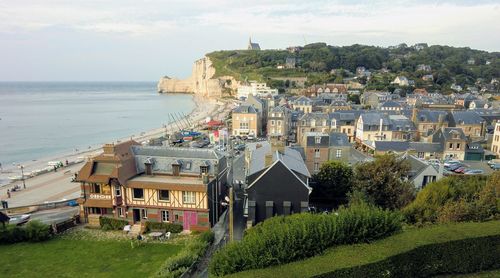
<point>201,82</point>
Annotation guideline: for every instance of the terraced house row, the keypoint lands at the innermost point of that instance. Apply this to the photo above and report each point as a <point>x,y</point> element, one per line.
<point>160,184</point>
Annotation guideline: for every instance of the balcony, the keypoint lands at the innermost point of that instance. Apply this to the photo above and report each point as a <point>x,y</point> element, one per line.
<point>97,196</point>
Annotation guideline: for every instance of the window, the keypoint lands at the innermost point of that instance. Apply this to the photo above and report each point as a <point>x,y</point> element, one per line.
<point>458,146</point>
<point>164,195</point>
<point>272,122</point>
<point>338,154</point>
<point>421,154</point>
<point>244,125</point>
<point>95,188</point>
<point>316,153</point>
<point>144,213</point>
<point>95,210</point>
<point>165,216</point>
<point>316,167</point>
<point>138,193</point>
<point>318,140</point>
<point>204,169</point>
<point>279,123</point>
<point>120,212</point>
<point>118,190</point>
<point>176,169</point>
<point>450,146</point>
<point>188,197</point>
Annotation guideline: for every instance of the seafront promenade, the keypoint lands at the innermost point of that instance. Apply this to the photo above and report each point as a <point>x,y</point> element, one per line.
<point>55,186</point>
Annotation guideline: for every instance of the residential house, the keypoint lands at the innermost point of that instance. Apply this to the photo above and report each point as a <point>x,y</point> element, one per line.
<point>374,98</point>
<point>157,184</point>
<point>422,173</point>
<point>401,81</point>
<point>321,147</point>
<point>255,88</point>
<point>428,77</point>
<point>277,184</point>
<point>470,122</point>
<point>312,122</point>
<point>495,144</point>
<point>373,126</point>
<point>419,149</point>
<point>279,123</point>
<point>344,122</point>
<point>102,179</point>
<point>246,121</point>
<point>423,67</point>
<point>261,106</point>
<point>428,122</point>
<point>338,105</point>
<point>176,185</point>
<point>391,106</point>
<point>453,141</point>
<point>403,129</point>
<point>303,104</point>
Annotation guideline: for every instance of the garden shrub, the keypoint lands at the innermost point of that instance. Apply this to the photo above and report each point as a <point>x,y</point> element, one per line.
<point>108,223</point>
<point>284,239</point>
<point>33,231</point>
<point>452,257</point>
<point>175,266</point>
<point>474,198</point>
<point>169,227</point>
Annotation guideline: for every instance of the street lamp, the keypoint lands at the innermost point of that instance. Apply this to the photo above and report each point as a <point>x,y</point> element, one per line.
<point>22,175</point>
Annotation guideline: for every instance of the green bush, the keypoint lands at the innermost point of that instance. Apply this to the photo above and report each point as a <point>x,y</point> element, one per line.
<point>459,256</point>
<point>37,231</point>
<point>169,227</point>
<point>107,223</point>
<point>280,240</point>
<point>455,199</point>
<point>33,231</point>
<point>175,266</point>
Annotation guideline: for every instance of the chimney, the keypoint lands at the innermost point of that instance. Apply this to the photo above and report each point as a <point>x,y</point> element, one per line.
<point>414,116</point>
<point>381,123</point>
<point>269,159</point>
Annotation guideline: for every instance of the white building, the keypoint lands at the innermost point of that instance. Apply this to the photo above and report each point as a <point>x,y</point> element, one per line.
<point>256,89</point>
<point>495,144</point>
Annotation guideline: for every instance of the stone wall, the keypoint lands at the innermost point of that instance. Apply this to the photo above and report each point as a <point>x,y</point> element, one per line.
<point>200,82</point>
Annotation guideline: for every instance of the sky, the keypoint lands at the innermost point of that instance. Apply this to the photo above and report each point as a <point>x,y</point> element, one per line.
<point>124,40</point>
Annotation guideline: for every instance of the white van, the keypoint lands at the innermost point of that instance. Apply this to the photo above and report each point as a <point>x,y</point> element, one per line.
<point>494,161</point>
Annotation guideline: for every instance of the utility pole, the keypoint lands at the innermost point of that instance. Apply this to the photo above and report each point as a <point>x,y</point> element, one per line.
<point>231,217</point>
<point>22,175</point>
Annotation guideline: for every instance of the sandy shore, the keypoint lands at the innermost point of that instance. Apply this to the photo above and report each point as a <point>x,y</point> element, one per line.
<point>204,108</point>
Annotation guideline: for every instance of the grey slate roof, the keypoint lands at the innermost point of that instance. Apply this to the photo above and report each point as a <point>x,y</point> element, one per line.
<point>426,147</point>
<point>449,131</point>
<point>291,158</point>
<point>391,103</point>
<point>247,109</point>
<point>466,117</point>
<point>190,159</point>
<point>338,139</point>
<point>396,146</point>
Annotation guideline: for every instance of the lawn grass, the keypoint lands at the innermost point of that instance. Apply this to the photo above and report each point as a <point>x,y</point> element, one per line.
<point>361,254</point>
<point>66,257</point>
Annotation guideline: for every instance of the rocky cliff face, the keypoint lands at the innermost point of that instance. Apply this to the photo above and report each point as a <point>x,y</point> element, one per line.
<point>200,82</point>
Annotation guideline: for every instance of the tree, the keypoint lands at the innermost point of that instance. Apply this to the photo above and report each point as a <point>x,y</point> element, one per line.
<point>383,181</point>
<point>334,181</point>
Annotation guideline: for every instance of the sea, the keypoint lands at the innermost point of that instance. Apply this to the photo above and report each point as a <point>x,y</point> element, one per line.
<point>47,119</point>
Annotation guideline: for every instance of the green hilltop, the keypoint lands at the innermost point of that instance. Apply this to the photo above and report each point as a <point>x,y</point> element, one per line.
<point>322,63</point>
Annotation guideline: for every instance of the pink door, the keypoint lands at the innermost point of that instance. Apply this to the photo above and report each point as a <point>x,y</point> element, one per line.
<point>190,219</point>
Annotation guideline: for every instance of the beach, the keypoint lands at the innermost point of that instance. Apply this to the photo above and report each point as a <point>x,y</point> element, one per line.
<point>204,108</point>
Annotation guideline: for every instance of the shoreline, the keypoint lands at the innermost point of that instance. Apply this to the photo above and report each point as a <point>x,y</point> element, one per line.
<point>203,108</point>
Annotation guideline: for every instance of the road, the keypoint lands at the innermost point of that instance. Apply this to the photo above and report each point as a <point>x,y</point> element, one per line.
<point>53,186</point>
<point>53,216</point>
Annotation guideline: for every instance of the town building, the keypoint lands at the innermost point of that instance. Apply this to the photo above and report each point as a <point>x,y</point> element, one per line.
<point>422,173</point>
<point>256,89</point>
<point>495,144</point>
<point>156,184</point>
<point>279,123</point>
<point>246,121</point>
<point>473,126</point>
<point>303,104</point>
<point>453,141</point>
<point>277,183</point>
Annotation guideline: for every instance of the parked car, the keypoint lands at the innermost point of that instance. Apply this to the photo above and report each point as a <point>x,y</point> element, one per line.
<point>493,161</point>
<point>19,219</point>
<point>495,166</point>
<point>474,172</point>
<point>434,161</point>
<point>251,137</point>
<point>453,167</point>
<point>449,163</point>
<point>460,170</point>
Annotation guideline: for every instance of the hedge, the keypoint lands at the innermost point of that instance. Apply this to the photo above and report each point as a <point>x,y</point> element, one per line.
<point>177,265</point>
<point>107,223</point>
<point>280,240</point>
<point>34,231</point>
<point>169,227</point>
<point>453,257</point>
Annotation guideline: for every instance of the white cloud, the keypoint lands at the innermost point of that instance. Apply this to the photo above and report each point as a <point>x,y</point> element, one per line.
<point>405,20</point>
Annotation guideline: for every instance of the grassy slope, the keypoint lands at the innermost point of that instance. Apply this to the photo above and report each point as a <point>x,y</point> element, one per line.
<point>360,254</point>
<point>83,258</point>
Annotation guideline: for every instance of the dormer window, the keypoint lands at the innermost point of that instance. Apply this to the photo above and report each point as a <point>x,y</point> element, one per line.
<point>204,169</point>
<point>176,168</point>
<point>318,140</point>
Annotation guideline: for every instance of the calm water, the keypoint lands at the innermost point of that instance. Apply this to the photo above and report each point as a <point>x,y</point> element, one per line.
<point>42,119</point>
